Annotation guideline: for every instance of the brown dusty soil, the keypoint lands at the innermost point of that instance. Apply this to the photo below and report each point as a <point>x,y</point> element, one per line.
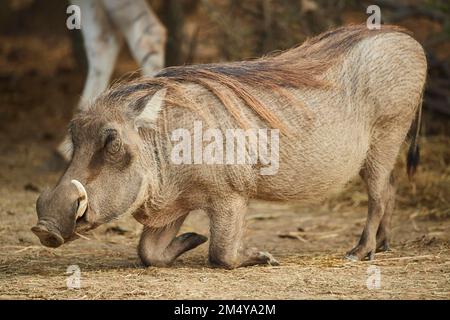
<point>39,85</point>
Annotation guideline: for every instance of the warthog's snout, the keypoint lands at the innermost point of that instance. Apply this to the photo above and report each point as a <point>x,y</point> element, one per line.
<point>58,211</point>
<point>49,237</point>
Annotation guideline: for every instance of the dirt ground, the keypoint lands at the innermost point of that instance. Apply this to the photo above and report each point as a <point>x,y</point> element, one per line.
<point>39,86</point>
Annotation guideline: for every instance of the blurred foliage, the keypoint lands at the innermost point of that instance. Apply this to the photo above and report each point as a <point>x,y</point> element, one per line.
<point>441,5</point>
<point>212,30</point>
<point>226,30</point>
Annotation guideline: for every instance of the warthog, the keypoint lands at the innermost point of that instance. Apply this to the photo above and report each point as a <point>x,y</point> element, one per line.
<point>343,103</point>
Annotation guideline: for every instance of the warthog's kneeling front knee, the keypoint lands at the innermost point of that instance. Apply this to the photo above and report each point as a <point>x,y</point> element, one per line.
<point>221,261</point>
<point>153,259</point>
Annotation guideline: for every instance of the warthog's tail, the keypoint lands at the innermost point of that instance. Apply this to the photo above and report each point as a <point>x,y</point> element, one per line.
<point>413,158</point>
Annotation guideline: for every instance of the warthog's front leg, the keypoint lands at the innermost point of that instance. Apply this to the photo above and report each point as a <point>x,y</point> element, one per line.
<point>227,216</point>
<point>159,246</point>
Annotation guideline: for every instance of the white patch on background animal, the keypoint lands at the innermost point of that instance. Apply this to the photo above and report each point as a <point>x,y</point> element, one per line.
<point>103,23</point>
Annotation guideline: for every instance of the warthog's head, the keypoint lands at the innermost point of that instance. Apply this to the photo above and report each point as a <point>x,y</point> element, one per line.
<point>108,174</point>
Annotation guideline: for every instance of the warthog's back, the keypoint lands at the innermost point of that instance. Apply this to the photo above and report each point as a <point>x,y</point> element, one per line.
<point>377,85</point>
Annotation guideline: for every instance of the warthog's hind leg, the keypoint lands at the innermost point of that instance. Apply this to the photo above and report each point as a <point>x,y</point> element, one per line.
<point>159,247</point>
<point>227,216</point>
<point>377,188</point>
<point>383,233</point>
<point>377,173</point>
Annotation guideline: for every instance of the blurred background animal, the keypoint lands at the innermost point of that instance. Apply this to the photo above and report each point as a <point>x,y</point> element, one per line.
<point>104,25</point>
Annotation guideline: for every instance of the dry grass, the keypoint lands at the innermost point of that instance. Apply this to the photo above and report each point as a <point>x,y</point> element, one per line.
<point>312,268</point>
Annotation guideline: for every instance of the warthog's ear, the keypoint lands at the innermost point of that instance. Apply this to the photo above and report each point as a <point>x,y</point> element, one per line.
<point>150,112</point>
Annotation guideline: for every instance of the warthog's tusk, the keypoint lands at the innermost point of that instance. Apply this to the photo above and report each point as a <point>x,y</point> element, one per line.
<point>83,200</point>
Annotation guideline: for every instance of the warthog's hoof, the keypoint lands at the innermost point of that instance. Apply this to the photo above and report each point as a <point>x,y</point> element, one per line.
<point>360,253</point>
<point>384,247</point>
<point>270,260</point>
<point>351,257</point>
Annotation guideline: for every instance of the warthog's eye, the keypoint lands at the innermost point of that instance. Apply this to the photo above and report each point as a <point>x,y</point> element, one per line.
<point>113,144</point>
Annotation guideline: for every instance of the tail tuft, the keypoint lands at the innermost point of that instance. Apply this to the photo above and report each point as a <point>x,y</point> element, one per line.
<point>412,161</point>
<point>413,158</point>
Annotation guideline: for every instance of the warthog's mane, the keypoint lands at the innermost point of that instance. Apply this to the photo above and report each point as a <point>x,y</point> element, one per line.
<point>299,67</point>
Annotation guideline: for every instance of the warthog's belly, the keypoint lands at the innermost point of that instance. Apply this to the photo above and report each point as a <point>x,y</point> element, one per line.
<point>313,168</point>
